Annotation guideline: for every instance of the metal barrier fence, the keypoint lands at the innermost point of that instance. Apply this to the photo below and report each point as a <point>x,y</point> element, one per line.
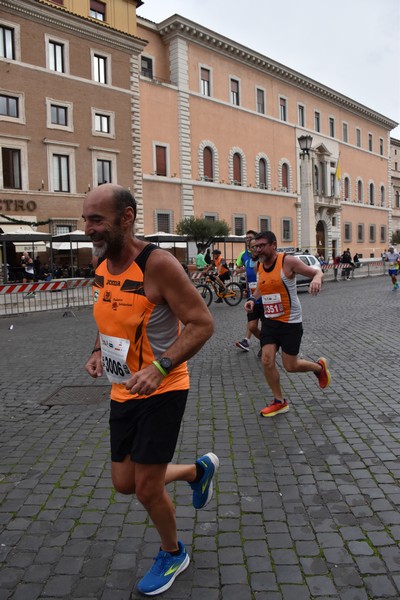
<point>366,269</point>
<point>67,294</point>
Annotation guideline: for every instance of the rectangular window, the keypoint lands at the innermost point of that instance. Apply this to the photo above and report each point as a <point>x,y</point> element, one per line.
<point>282,109</point>
<point>61,179</point>
<point>161,161</point>
<point>381,146</point>
<point>372,233</point>
<point>102,123</point>
<point>210,217</point>
<point>287,230</point>
<point>347,232</point>
<point>11,163</point>
<point>103,171</point>
<point>360,232</point>
<point>163,222</point>
<point>146,66</point>
<point>317,121</point>
<point>238,225</point>
<point>205,78</point>
<point>7,48</point>
<point>235,98</point>
<point>97,10</point>
<point>56,57</point>
<point>9,106</point>
<point>331,127</point>
<point>62,229</point>
<point>345,133</point>
<point>59,115</point>
<point>383,234</point>
<point>370,142</point>
<point>264,223</point>
<point>301,116</point>
<point>100,68</point>
<point>358,137</point>
<point>260,101</point>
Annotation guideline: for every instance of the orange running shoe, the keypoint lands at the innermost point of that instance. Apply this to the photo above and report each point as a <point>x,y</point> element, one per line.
<point>324,377</point>
<point>275,408</point>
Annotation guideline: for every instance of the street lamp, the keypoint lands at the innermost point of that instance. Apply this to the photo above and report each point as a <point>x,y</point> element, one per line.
<point>305,142</point>
<point>308,227</point>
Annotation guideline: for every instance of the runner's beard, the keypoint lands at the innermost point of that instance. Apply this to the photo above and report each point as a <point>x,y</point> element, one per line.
<point>111,248</point>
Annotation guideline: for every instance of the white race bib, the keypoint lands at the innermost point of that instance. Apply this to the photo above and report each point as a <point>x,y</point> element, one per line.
<point>113,353</point>
<point>272,305</point>
<point>252,286</point>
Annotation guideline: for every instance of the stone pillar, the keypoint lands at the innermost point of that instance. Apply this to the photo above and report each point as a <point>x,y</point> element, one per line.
<point>308,233</point>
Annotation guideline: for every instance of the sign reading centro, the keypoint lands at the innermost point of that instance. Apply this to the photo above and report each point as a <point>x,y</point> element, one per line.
<point>17,205</point>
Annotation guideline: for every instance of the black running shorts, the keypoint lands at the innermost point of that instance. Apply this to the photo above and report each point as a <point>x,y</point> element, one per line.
<point>257,312</point>
<point>284,335</point>
<point>147,430</point>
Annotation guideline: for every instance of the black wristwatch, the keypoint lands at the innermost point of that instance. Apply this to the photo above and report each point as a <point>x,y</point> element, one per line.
<point>166,364</point>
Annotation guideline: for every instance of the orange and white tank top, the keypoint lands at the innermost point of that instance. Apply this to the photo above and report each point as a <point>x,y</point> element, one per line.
<point>279,294</point>
<point>133,331</point>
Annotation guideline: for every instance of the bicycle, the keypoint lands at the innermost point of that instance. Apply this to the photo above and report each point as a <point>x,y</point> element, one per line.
<point>232,295</point>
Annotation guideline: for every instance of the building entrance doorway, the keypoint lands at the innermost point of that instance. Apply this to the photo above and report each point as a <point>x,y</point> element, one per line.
<point>321,240</point>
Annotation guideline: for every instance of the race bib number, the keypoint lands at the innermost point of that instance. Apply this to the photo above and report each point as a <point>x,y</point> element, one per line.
<point>272,305</point>
<point>113,353</point>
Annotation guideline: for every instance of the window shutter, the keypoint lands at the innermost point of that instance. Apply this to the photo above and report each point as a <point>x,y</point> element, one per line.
<point>285,176</point>
<point>208,164</point>
<point>237,168</point>
<point>161,161</point>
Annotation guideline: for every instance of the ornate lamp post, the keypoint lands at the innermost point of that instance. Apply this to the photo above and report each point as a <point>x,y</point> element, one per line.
<point>308,232</point>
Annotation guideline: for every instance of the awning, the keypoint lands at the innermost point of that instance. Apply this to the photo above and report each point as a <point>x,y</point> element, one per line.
<point>14,228</point>
<point>26,240</point>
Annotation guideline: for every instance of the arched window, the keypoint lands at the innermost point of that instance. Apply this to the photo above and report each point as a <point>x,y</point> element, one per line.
<point>359,191</point>
<point>208,164</point>
<point>316,180</point>
<point>371,194</point>
<point>285,177</point>
<point>382,195</point>
<point>346,188</point>
<point>262,173</point>
<point>237,169</point>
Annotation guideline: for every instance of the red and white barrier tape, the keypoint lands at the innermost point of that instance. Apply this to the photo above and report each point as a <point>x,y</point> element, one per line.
<point>44,286</point>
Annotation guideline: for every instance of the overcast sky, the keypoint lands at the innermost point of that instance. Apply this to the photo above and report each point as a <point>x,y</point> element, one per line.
<point>352,46</point>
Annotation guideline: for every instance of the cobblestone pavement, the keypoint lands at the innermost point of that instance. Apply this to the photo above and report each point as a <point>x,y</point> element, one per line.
<point>306,504</point>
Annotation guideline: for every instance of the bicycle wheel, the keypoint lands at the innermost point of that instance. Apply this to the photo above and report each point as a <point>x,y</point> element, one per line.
<point>205,292</point>
<point>234,294</point>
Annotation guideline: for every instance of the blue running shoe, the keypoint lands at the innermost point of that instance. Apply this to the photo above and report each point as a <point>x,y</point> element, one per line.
<point>164,571</point>
<point>203,490</point>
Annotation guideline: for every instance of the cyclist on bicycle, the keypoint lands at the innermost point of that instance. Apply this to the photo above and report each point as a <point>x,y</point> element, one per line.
<point>219,265</point>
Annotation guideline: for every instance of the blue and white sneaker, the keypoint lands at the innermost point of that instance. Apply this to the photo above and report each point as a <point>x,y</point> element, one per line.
<point>164,571</point>
<point>203,490</point>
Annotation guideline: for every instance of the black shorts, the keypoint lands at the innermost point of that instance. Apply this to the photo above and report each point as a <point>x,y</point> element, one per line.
<point>147,430</point>
<point>225,276</point>
<point>284,335</point>
<point>257,312</point>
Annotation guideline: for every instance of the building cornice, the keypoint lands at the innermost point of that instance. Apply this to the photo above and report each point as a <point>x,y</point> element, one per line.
<point>60,18</point>
<point>179,26</point>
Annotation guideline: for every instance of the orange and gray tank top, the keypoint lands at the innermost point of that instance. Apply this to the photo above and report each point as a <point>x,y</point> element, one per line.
<point>133,331</point>
<point>279,294</point>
